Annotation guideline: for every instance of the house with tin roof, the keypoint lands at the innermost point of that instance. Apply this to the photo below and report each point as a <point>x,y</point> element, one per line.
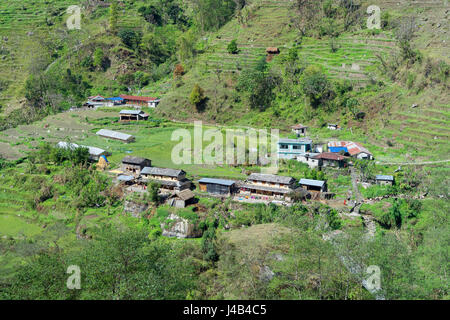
<point>330,159</point>
<point>133,115</point>
<point>137,101</point>
<point>268,187</point>
<point>169,179</point>
<point>292,148</point>
<point>94,152</point>
<point>220,187</point>
<point>313,185</point>
<point>299,129</point>
<point>109,134</point>
<point>384,180</point>
<point>350,148</point>
<point>134,165</point>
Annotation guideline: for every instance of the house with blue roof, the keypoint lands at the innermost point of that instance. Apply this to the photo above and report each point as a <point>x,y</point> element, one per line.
<point>114,101</point>
<point>293,148</point>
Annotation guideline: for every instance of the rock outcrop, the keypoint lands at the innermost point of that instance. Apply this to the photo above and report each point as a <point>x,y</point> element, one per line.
<point>135,208</point>
<point>176,226</point>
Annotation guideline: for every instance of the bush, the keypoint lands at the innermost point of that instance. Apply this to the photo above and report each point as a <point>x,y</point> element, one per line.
<point>232,47</point>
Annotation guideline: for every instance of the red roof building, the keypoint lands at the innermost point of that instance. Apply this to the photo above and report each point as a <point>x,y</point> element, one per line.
<point>140,101</point>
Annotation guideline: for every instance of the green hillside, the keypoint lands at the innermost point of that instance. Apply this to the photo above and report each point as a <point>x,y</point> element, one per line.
<point>233,64</point>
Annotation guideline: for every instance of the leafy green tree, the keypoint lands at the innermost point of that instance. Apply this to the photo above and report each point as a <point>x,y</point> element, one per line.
<point>316,86</point>
<point>258,84</point>
<point>154,192</point>
<point>208,244</point>
<point>151,14</point>
<point>113,17</point>
<point>130,38</point>
<point>212,14</point>
<point>98,61</point>
<point>197,97</point>
<point>232,47</point>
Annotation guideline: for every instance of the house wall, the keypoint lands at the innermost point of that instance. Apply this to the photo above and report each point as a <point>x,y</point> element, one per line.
<point>290,152</point>
<point>268,184</point>
<point>312,163</point>
<point>384,183</point>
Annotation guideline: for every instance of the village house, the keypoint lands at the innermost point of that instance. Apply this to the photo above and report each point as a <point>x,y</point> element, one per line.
<point>133,115</point>
<point>114,101</point>
<point>126,180</point>
<point>181,199</point>
<point>299,130</point>
<point>96,101</point>
<point>292,148</point>
<point>384,180</point>
<point>109,134</point>
<point>219,187</point>
<point>330,159</point>
<point>268,187</point>
<point>94,153</point>
<point>313,185</point>
<point>137,101</point>
<point>134,165</point>
<point>272,50</point>
<point>349,148</point>
<point>309,159</point>
<point>333,126</point>
<point>169,179</point>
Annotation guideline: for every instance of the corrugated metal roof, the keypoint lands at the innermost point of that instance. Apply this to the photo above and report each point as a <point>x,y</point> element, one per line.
<point>114,135</point>
<point>299,126</point>
<point>353,148</point>
<point>162,171</point>
<point>93,151</point>
<point>271,178</point>
<point>134,160</point>
<point>136,112</point>
<point>125,178</point>
<point>295,141</point>
<point>310,182</point>
<point>217,181</point>
<point>330,156</point>
<point>186,194</point>
<point>137,98</point>
<point>384,178</point>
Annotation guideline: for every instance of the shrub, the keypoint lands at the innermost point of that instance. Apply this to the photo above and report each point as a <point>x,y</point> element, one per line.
<point>232,47</point>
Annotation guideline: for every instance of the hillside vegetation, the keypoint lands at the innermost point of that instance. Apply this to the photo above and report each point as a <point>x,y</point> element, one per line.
<point>387,88</point>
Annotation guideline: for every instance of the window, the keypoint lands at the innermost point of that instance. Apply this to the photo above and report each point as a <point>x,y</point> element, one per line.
<point>296,147</point>
<point>284,146</point>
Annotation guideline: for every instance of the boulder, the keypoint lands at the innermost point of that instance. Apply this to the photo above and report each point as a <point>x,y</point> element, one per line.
<point>180,228</point>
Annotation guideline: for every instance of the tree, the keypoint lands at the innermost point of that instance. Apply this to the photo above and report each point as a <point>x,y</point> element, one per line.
<point>208,245</point>
<point>153,191</point>
<point>315,86</point>
<point>113,17</point>
<point>212,14</point>
<point>99,57</point>
<point>151,14</point>
<point>404,34</point>
<point>232,47</point>
<point>258,84</point>
<point>130,38</point>
<point>197,97</point>
<point>178,71</point>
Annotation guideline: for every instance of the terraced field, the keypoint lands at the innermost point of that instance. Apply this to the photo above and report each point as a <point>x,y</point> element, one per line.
<point>424,131</point>
<point>270,26</point>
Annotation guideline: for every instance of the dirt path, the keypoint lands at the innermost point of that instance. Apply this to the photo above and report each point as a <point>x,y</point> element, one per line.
<point>411,163</point>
